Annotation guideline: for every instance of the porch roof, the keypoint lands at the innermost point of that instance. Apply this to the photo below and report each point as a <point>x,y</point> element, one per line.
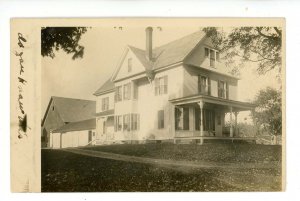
<point>239,105</point>
<point>106,113</point>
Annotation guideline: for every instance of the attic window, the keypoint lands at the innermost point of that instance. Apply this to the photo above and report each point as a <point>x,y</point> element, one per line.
<point>206,52</point>
<point>129,65</point>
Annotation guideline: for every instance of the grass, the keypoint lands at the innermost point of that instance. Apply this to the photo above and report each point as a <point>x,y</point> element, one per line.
<point>67,172</point>
<point>191,152</point>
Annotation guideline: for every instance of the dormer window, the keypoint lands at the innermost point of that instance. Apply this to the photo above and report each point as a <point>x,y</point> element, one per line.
<point>129,66</point>
<point>213,56</point>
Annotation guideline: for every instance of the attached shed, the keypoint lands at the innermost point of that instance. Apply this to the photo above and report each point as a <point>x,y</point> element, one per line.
<point>62,111</point>
<point>75,134</point>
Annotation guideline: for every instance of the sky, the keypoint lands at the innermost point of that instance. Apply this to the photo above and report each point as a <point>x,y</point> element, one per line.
<point>80,78</point>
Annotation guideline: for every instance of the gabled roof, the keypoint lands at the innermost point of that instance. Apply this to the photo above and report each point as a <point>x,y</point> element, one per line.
<point>177,50</point>
<point>141,55</point>
<point>170,53</point>
<point>107,86</point>
<point>88,124</point>
<point>71,110</point>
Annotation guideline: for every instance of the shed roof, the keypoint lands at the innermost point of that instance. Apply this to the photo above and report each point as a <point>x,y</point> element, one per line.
<point>88,124</point>
<point>71,109</point>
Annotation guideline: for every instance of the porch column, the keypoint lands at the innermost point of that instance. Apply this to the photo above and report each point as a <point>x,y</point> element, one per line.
<point>231,126</point>
<point>235,123</point>
<point>201,104</point>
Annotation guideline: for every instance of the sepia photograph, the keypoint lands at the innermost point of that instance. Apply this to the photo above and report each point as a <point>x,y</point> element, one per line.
<point>164,106</point>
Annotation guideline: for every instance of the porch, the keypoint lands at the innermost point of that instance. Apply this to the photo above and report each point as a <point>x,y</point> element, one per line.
<point>202,118</point>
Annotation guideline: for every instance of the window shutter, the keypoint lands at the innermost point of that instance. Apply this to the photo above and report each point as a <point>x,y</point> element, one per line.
<point>219,94</point>
<point>135,91</point>
<point>138,121</point>
<point>156,83</point>
<point>209,86</point>
<point>227,90</point>
<point>165,84</point>
<point>116,123</point>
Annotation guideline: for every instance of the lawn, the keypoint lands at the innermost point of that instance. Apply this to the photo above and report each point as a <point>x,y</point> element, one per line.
<point>230,152</point>
<point>68,172</point>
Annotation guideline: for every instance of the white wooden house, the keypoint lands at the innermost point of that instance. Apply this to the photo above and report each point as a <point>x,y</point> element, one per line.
<point>178,91</point>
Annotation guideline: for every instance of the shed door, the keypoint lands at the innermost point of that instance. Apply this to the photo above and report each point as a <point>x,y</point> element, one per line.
<point>90,136</point>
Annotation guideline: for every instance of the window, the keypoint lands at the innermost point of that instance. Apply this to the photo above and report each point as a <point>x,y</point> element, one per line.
<point>218,56</point>
<point>222,89</point>
<point>129,65</point>
<point>182,118</point>
<point>118,123</point>
<point>161,119</point>
<point>126,122</point>
<point>118,94</point>
<point>213,56</point>
<point>105,103</point>
<point>206,52</point>
<point>127,91</point>
<point>202,84</point>
<point>135,121</point>
<point>161,85</point>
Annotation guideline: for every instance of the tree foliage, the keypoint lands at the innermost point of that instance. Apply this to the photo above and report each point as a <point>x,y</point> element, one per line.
<point>261,45</point>
<point>65,38</point>
<point>268,113</point>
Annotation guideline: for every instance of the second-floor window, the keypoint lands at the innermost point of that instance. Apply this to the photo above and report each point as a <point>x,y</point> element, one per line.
<point>118,94</point>
<point>129,66</point>
<point>161,85</point>
<point>105,104</point>
<point>127,91</point>
<point>223,89</point>
<point>202,84</point>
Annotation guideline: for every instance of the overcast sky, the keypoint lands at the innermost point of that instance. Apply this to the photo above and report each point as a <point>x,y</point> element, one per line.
<point>104,46</point>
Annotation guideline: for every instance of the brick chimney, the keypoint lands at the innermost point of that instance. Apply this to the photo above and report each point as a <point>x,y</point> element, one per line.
<point>149,31</point>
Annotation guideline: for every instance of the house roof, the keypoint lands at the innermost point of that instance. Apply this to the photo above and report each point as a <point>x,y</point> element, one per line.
<point>107,86</point>
<point>177,50</point>
<point>72,110</point>
<point>168,54</point>
<point>88,124</point>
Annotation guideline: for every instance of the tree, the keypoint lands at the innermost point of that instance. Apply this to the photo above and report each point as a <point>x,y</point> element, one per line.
<point>65,38</point>
<point>268,114</point>
<point>261,45</point>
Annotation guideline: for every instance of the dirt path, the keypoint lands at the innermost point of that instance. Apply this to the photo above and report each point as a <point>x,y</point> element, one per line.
<point>171,163</point>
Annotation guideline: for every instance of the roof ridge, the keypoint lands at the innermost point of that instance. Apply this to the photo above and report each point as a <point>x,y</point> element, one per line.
<point>71,98</point>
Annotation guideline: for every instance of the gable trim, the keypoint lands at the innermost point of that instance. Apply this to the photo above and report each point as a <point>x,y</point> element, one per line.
<point>119,65</point>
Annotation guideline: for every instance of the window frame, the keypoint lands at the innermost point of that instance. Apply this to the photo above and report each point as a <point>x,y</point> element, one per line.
<point>222,90</point>
<point>206,86</point>
<point>127,91</point>
<point>105,103</point>
<point>161,85</point>
<point>118,94</point>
